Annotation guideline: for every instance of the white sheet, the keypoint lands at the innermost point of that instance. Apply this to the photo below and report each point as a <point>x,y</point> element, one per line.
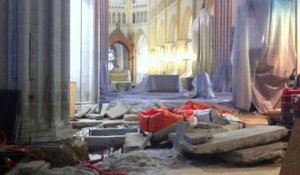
<point>263,51</point>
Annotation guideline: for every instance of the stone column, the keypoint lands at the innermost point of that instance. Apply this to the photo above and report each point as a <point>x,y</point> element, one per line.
<point>223,23</point>
<point>3,43</point>
<point>102,18</point>
<point>44,69</point>
<point>23,82</point>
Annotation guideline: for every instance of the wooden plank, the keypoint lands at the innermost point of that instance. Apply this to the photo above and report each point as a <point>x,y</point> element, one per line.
<point>73,90</point>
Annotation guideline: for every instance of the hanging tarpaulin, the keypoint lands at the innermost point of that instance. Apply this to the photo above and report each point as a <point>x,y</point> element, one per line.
<point>202,28</point>
<point>263,52</point>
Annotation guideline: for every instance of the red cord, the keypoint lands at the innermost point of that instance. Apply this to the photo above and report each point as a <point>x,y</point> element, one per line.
<point>4,141</point>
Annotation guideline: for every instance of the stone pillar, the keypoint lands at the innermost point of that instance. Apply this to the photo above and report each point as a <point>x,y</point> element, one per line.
<point>102,29</point>
<point>43,69</point>
<point>3,43</point>
<point>223,34</point>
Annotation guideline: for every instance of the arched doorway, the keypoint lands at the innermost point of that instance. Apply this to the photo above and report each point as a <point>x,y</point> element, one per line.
<point>120,52</point>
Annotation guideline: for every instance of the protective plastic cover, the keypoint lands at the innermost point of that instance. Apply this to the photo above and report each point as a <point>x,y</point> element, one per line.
<point>263,53</point>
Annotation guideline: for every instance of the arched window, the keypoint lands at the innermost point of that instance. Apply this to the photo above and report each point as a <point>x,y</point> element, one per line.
<point>109,18</point>
<point>138,17</point>
<point>142,17</point>
<point>124,18</point>
<point>111,58</point>
<point>133,18</point>
<point>119,17</point>
<point>114,18</point>
<point>145,17</point>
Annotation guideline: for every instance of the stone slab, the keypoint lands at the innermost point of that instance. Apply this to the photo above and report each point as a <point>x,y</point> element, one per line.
<point>256,154</point>
<point>65,153</point>
<point>111,131</point>
<point>162,134</point>
<point>104,107</point>
<point>135,141</point>
<point>291,160</point>
<point>117,112</point>
<point>236,139</point>
<point>96,143</point>
<point>81,113</point>
<point>29,168</point>
<point>112,123</point>
<point>131,122</point>
<point>130,117</point>
<point>181,128</point>
<point>93,109</point>
<point>171,137</point>
<point>94,116</point>
<point>207,125</point>
<point>82,123</point>
<point>197,137</point>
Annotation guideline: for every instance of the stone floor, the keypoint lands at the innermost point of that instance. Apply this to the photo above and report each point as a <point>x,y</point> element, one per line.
<point>218,169</point>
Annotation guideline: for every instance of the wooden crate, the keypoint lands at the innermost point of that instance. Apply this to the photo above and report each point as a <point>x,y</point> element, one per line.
<point>73,92</point>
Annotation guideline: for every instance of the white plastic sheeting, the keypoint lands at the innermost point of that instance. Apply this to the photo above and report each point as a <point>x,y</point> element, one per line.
<point>221,80</point>
<point>203,86</point>
<point>263,52</point>
<point>202,28</point>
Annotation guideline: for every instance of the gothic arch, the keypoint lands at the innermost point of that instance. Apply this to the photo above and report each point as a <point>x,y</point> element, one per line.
<point>186,25</point>
<point>172,30</point>
<point>118,37</point>
<point>161,33</point>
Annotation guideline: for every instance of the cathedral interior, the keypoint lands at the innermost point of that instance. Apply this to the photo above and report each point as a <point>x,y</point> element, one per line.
<point>72,70</point>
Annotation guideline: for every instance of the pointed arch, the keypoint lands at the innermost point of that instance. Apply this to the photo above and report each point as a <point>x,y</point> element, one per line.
<point>187,23</point>
<point>118,37</point>
<point>161,33</point>
<point>172,29</point>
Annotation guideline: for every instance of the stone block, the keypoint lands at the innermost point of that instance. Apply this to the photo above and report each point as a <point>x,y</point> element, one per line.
<point>181,128</point>
<point>256,154</point>
<point>197,137</point>
<point>111,131</point>
<point>94,116</point>
<point>82,123</point>
<point>171,137</point>
<point>135,141</point>
<point>66,153</point>
<point>112,123</point>
<point>33,167</point>
<point>236,139</point>
<point>162,134</point>
<point>96,143</point>
<point>93,109</point>
<point>131,122</point>
<point>130,117</point>
<point>103,109</point>
<point>118,111</point>
<point>207,125</point>
<point>81,113</point>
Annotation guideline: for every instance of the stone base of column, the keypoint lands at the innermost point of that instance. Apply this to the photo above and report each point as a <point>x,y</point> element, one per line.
<point>43,132</point>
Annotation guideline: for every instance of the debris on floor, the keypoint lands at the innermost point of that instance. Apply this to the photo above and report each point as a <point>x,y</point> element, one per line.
<point>126,139</point>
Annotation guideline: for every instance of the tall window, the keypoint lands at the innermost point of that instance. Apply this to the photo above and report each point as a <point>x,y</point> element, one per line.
<point>114,18</point>
<point>119,17</point>
<point>111,58</point>
<point>133,18</point>
<point>124,18</point>
<point>138,17</point>
<point>145,16</point>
